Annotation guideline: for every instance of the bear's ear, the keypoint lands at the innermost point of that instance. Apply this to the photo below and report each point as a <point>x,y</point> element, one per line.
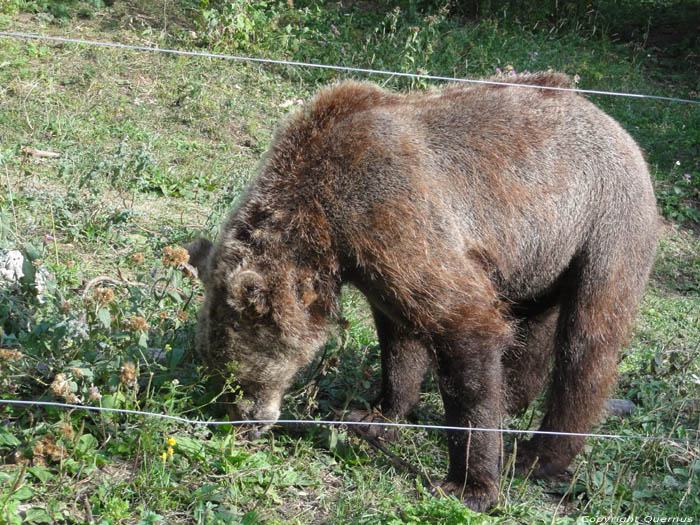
<point>199,251</point>
<point>248,293</point>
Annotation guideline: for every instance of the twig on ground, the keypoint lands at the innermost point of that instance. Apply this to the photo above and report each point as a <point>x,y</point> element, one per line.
<point>144,228</point>
<point>40,153</point>
<point>106,278</point>
<point>88,509</point>
<point>396,460</point>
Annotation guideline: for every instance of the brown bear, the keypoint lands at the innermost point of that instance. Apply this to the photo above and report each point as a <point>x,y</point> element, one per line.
<point>502,235</point>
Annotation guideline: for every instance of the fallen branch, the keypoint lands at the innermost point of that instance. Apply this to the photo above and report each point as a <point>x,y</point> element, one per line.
<point>124,280</point>
<point>107,279</point>
<point>40,153</point>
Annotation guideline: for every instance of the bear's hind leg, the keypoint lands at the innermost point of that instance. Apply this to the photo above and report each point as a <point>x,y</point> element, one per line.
<point>593,322</point>
<point>527,363</point>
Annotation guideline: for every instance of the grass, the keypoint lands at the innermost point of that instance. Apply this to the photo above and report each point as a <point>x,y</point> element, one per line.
<point>154,149</point>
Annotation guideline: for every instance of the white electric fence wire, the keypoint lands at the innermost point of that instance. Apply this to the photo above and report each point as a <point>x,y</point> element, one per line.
<point>331,67</point>
<point>339,423</point>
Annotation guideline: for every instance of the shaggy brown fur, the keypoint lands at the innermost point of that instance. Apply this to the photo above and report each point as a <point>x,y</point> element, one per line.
<point>502,234</point>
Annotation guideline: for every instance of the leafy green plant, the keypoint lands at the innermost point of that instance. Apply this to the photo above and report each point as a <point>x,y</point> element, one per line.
<point>241,23</point>
<point>680,198</point>
<point>126,170</point>
<point>11,7</point>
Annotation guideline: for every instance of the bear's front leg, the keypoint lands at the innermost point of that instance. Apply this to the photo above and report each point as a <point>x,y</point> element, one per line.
<point>470,379</point>
<point>405,361</point>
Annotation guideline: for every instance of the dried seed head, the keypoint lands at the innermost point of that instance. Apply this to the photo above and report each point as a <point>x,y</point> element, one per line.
<point>137,324</point>
<point>60,387</point>
<point>128,374</point>
<point>72,399</point>
<point>175,256</point>
<point>56,452</point>
<point>104,295</point>
<point>10,355</point>
<point>38,449</point>
<point>137,258</point>
<point>18,458</point>
<point>47,448</point>
<point>67,430</point>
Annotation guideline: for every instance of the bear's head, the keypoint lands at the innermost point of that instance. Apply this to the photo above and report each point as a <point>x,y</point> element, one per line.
<point>257,323</point>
